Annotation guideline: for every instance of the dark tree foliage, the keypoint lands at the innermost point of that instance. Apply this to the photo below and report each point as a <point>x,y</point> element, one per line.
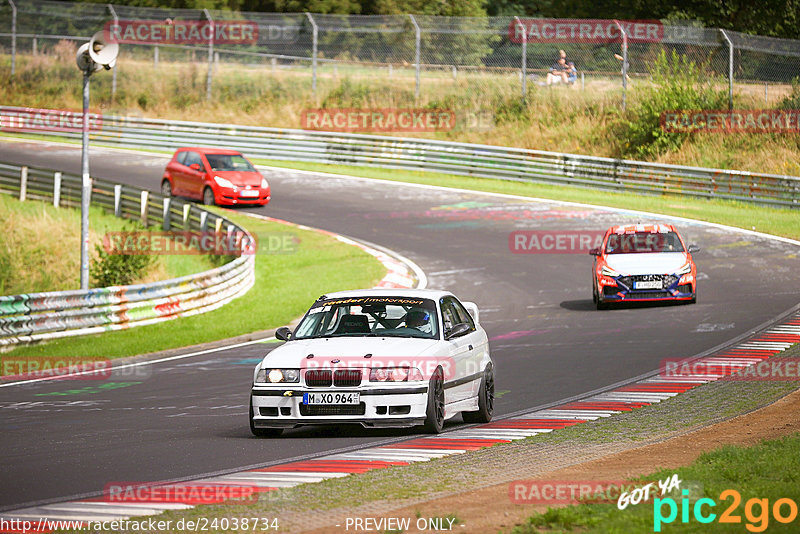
<point>775,18</point>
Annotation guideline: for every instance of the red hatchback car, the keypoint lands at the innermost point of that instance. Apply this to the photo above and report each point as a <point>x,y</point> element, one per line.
<point>215,176</point>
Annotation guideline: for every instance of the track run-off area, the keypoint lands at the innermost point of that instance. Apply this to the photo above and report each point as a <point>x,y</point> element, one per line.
<point>189,417</point>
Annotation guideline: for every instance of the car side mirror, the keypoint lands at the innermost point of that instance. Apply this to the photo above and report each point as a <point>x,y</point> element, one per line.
<point>472,308</point>
<point>195,166</point>
<point>693,248</point>
<point>594,252</point>
<point>283,333</point>
<point>458,330</point>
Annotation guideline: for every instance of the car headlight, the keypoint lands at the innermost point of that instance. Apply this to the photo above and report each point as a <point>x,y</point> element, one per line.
<point>276,376</point>
<point>222,182</point>
<point>606,271</point>
<point>686,269</point>
<point>394,374</point>
<point>264,183</point>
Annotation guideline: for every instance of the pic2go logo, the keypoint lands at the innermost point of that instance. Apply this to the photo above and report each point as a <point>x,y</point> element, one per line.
<point>757,521</point>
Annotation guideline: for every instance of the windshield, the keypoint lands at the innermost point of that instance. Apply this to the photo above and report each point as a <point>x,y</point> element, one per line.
<point>370,316</point>
<point>642,242</point>
<point>229,162</point>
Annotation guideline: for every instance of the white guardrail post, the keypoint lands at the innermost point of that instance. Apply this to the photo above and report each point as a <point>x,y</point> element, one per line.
<point>41,316</point>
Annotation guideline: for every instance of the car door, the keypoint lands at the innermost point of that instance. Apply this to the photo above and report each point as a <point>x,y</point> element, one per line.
<point>176,171</point>
<point>458,383</point>
<point>194,179</point>
<point>478,345</point>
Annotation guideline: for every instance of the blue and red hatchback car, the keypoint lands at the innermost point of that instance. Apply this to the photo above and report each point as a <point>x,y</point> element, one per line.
<point>215,176</point>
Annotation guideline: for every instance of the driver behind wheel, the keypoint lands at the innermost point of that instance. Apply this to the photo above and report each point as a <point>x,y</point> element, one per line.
<point>418,319</point>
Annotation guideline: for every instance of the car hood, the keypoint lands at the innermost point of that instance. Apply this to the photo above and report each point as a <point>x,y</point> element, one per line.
<point>349,350</point>
<point>240,177</point>
<point>647,263</point>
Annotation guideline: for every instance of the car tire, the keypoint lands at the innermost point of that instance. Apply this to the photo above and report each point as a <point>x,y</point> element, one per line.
<point>434,414</point>
<point>262,432</point>
<point>208,197</point>
<point>166,189</point>
<point>596,298</point>
<point>485,400</point>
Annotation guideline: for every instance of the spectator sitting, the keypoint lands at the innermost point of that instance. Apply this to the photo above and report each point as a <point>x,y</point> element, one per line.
<point>558,73</point>
<point>572,73</point>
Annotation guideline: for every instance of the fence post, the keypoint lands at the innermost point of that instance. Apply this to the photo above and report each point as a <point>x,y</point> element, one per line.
<point>56,189</point>
<point>624,64</point>
<point>210,54</point>
<point>166,216</point>
<point>35,46</point>
<point>730,69</point>
<point>314,36</point>
<point>117,200</point>
<point>417,46</point>
<point>155,57</point>
<point>143,208</point>
<point>23,183</point>
<point>524,58</point>
<point>13,37</point>
<point>274,63</point>
<point>114,69</point>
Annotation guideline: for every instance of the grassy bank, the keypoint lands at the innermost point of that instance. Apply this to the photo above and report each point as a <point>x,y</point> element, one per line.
<point>288,279</point>
<point>487,107</point>
<point>766,472</point>
<point>40,248</point>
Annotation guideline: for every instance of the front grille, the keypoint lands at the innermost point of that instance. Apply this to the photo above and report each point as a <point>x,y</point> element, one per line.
<point>347,377</point>
<point>332,409</point>
<point>665,279</point>
<point>649,295</point>
<point>318,378</point>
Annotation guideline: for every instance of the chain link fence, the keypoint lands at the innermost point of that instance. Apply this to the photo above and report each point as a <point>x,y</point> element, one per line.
<point>418,54</point>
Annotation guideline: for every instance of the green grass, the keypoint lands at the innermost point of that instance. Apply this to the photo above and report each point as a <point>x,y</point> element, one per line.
<point>286,284</point>
<point>777,221</point>
<point>35,233</point>
<point>770,470</point>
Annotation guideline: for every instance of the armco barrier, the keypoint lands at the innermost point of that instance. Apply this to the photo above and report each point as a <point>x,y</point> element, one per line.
<point>484,161</point>
<point>39,316</point>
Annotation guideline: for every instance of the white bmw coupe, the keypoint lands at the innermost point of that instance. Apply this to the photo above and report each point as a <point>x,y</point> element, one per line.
<point>378,357</point>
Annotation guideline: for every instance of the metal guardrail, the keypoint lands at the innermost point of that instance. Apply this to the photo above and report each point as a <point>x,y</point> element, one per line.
<point>40,316</point>
<point>464,159</point>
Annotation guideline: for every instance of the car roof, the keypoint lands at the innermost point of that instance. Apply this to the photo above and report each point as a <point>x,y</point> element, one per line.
<point>208,150</point>
<point>654,228</point>
<point>434,294</point>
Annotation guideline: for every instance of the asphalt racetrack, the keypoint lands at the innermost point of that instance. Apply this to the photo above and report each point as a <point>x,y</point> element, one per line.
<point>188,417</point>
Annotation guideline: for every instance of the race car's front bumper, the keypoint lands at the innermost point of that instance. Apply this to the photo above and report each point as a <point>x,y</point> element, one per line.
<point>624,292</point>
<point>391,406</point>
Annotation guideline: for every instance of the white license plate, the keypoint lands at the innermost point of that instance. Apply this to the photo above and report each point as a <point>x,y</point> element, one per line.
<point>249,193</point>
<point>647,285</point>
<point>331,398</point>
